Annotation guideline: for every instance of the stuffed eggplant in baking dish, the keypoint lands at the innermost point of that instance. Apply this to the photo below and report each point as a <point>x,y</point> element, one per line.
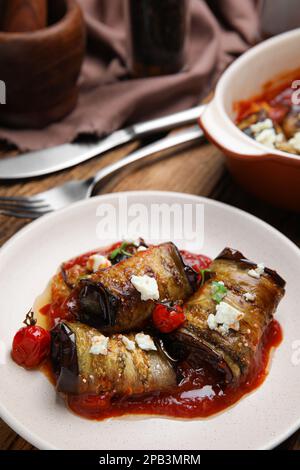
<point>143,329</point>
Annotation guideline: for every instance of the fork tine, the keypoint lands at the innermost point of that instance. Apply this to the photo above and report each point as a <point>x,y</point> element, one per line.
<point>25,213</point>
<point>20,215</point>
<point>12,205</point>
<point>25,199</point>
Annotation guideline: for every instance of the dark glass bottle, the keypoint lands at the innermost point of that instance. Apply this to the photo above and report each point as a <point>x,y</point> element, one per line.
<point>158,31</point>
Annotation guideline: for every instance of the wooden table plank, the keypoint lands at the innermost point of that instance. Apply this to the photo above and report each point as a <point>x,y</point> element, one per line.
<point>194,169</point>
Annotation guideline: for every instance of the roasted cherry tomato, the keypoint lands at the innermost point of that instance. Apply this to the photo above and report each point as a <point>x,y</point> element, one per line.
<point>31,344</point>
<point>194,260</point>
<point>167,317</point>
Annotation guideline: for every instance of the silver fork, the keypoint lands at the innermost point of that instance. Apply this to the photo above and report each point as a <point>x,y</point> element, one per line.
<point>56,198</point>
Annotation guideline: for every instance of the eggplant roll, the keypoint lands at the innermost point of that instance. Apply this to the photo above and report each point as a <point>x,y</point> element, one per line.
<point>108,300</point>
<point>255,296</point>
<point>121,372</point>
<point>75,269</point>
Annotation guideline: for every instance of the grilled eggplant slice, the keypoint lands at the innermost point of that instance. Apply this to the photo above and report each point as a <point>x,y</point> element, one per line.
<point>73,270</point>
<point>108,300</point>
<point>233,352</point>
<point>120,372</point>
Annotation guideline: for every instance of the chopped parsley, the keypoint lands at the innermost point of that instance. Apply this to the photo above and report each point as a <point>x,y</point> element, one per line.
<point>202,273</point>
<point>121,250</point>
<point>219,291</point>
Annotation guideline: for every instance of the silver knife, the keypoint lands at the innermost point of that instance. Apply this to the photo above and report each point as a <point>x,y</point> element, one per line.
<point>50,160</point>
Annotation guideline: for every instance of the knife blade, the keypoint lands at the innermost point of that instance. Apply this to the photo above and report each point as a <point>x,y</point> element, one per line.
<point>50,160</point>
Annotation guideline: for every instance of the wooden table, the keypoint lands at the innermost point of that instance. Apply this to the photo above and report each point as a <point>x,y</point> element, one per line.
<point>194,169</point>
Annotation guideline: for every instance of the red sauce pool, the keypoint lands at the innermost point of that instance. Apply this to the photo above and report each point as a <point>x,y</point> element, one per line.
<point>81,260</point>
<point>200,392</point>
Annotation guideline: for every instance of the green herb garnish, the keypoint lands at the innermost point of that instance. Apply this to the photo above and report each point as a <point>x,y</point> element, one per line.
<point>219,291</point>
<point>121,250</point>
<point>203,272</point>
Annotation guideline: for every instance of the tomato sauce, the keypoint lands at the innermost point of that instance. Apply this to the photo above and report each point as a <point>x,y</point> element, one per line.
<point>82,260</point>
<point>200,392</point>
<point>276,100</point>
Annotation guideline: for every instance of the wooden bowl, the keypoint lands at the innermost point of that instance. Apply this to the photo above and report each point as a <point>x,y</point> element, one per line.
<point>41,68</point>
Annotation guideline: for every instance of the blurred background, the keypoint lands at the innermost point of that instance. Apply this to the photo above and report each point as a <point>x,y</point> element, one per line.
<point>279,16</point>
<point>82,67</point>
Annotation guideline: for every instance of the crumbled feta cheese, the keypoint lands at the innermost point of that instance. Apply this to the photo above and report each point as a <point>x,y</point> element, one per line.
<point>132,241</point>
<point>99,345</point>
<point>130,345</point>
<point>96,262</point>
<point>257,272</point>
<point>265,134</point>
<point>224,329</point>
<point>145,342</point>
<point>260,126</point>
<point>212,322</point>
<point>267,137</point>
<point>226,317</point>
<point>142,248</point>
<point>253,273</point>
<point>260,268</point>
<point>295,141</point>
<point>249,296</point>
<point>147,286</point>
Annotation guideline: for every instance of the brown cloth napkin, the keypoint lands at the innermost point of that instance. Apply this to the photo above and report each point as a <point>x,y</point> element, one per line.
<point>220,30</point>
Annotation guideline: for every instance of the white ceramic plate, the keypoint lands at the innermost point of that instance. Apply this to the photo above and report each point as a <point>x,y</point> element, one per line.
<point>27,400</point>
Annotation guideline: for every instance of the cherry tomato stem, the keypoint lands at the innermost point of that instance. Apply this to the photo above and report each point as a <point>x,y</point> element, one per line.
<point>167,318</point>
